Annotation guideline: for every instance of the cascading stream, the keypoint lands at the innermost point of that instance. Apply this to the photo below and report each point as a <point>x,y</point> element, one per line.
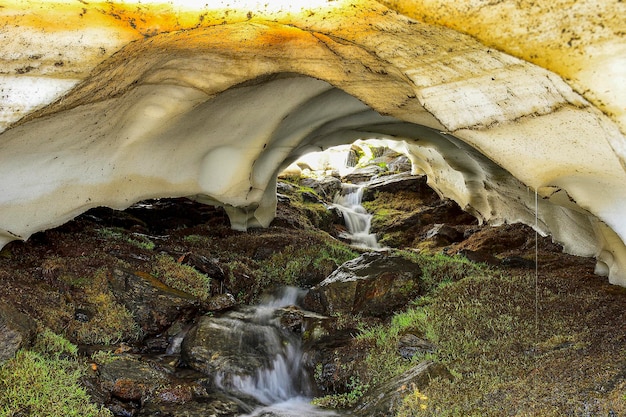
<point>358,220</point>
<point>279,382</point>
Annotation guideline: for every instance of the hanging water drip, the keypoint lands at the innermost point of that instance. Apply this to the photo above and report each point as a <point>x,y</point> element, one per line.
<point>358,221</point>
<point>536,265</point>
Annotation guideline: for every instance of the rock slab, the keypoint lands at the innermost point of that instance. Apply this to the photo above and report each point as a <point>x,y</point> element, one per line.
<point>386,399</point>
<point>374,284</point>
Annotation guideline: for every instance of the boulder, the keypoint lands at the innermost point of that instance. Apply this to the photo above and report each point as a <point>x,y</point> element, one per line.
<point>221,347</point>
<point>444,234</point>
<point>154,305</point>
<point>374,284</point>
<point>128,378</point>
<point>326,186</point>
<point>403,181</point>
<point>17,331</point>
<point>361,175</point>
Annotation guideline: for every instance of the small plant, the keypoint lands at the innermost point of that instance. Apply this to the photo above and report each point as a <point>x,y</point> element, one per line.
<point>346,400</point>
<point>439,269</point>
<point>413,404</point>
<point>103,357</point>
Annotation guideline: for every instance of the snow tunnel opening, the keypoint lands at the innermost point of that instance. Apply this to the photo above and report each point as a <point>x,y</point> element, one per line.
<point>169,140</point>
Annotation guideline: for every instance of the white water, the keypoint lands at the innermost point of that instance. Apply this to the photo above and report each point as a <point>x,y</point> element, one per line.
<point>283,385</point>
<point>358,220</point>
<point>294,407</point>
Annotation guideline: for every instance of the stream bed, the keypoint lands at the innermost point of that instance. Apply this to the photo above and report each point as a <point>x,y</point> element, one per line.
<point>255,354</point>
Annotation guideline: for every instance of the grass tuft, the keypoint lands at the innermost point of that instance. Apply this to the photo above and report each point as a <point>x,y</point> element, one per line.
<point>44,383</point>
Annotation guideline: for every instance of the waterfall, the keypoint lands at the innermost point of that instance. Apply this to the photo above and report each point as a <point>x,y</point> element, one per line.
<point>281,384</point>
<point>357,219</point>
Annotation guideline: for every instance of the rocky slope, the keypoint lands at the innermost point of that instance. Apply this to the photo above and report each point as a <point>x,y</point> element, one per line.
<point>129,288</point>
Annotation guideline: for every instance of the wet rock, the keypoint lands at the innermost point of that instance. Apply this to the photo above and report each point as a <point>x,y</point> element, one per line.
<point>216,406</point>
<point>326,187</point>
<point>177,394</point>
<point>130,379</point>
<point>385,399</point>
<point>154,305</point>
<point>404,181</point>
<point>220,302</point>
<point>91,383</point>
<point>123,409</point>
<point>207,266</point>
<point>17,331</point>
<point>311,197</point>
<point>316,327</point>
<point>214,347</point>
<point>361,175</point>
<point>169,341</point>
<point>409,345</point>
<point>292,319</point>
<point>374,284</point>
<point>518,262</point>
<point>400,164</point>
<point>444,234</point>
<point>335,359</point>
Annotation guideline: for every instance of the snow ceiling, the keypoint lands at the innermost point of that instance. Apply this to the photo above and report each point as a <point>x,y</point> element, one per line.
<point>512,108</point>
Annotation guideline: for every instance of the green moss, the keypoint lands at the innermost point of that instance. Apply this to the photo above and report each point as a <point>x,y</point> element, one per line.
<point>182,277</point>
<point>135,239</point>
<point>111,321</point>
<point>315,212</point>
<point>51,344</point>
<point>41,383</point>
<point>198,241</point>
<point>295,263</point>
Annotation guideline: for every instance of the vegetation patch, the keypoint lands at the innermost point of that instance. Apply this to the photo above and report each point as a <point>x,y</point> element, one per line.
<point>182,277</point>
<point>45,381</point>
<point>136,239</point>
<point>345,400</point>
<point>294,263</point>
<point>440,269</point>
<point>510,345</point>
